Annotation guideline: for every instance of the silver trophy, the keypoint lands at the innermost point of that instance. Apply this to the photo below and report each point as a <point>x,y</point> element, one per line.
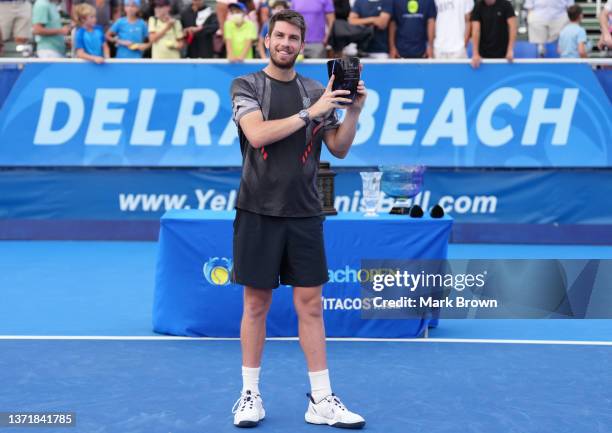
<point>371,191</point>
<point>402,182</point>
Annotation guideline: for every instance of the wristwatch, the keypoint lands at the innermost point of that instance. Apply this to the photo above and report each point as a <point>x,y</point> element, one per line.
<point>304,116</point>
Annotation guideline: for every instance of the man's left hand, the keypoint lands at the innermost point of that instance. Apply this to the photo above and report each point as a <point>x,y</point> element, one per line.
<point>360,97</point>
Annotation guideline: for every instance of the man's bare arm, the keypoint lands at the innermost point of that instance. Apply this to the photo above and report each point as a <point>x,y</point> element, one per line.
<point>262,132</point>
<point>382,21</point>
<point>356,20</point>
<point>340,140</point>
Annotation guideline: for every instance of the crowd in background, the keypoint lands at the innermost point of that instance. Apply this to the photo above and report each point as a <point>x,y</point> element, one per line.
<point>95,30</point>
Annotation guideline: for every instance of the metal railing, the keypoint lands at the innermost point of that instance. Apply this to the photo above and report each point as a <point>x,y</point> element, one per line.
<point>591,61</point>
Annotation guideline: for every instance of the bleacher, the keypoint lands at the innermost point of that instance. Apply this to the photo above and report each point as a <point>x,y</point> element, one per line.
<point>590,22</point>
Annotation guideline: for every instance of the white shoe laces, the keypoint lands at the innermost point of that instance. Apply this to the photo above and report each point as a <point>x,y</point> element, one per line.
<point>332,399</point>
<point>242,402</point>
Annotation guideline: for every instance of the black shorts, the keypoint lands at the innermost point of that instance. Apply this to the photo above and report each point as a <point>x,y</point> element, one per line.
<point>268,249</point>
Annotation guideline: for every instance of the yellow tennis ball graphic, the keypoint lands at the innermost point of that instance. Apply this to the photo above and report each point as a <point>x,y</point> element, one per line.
<point>219,275</point>
<point>413,6</point>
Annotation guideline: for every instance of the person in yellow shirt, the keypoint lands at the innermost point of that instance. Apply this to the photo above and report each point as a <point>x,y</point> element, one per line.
<point>239,33</point>
<point>165,33</point>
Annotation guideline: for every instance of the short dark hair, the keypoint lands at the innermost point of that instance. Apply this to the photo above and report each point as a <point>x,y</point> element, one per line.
<point>291,17</point>
<point>574,12</point>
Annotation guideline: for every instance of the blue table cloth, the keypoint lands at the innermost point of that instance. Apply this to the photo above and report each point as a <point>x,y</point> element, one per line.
<point>193,295</point>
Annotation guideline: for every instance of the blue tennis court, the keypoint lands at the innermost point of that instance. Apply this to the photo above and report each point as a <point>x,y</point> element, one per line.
<point>76,320</point>
<point>190,386</point>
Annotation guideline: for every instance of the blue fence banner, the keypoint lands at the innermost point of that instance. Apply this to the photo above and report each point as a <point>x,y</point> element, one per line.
<point>167,115</point>
<point>468,195</point>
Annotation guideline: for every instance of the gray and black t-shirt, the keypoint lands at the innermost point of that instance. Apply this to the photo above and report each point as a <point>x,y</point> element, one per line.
<point>280,178</point>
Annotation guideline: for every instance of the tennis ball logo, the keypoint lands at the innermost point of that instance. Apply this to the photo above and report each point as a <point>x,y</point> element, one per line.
<point>219,276</point>
<point>413,6</point>
<point>217,271</point>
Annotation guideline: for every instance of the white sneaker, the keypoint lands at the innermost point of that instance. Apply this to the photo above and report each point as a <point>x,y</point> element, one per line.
<point>332,412</point>
<point>248,410</point>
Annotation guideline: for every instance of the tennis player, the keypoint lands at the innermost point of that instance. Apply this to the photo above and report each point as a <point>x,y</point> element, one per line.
<point>282,119</point>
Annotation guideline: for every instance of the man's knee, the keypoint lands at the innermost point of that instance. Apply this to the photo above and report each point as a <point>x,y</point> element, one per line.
<point>257,303</point>
<point>309,306</point>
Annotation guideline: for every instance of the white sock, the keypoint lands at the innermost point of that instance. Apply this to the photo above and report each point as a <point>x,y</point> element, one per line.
<point>250,379</point>
<point>319,385</point>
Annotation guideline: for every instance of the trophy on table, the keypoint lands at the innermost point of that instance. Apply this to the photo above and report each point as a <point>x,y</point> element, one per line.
<point>371,191</point>
<point>402,182</point>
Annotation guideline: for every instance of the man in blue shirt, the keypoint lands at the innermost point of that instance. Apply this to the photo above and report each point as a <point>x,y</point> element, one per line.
<point>412,26</point>
<point>129,33</point>
<point>366,13</point>
<point>89,42</point>
<point>573,42</point>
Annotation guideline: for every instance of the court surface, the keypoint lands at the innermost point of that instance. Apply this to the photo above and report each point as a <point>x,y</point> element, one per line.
<point>559,380</point>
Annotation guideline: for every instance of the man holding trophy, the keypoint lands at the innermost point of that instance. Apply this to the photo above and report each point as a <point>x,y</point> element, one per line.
<point>282,119</point>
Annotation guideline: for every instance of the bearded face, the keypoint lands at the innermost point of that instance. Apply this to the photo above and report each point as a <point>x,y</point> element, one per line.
<point>285,43</point>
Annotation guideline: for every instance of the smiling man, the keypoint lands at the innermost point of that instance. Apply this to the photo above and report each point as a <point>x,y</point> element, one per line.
<point>282,119</point>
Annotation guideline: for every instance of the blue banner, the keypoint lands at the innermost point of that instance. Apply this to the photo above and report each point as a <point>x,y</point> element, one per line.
<point>469,196</point>
<point>117,114</point>
<point>194,265</point>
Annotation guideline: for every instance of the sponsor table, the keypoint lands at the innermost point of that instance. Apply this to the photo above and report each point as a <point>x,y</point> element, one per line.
<point>193,295</point>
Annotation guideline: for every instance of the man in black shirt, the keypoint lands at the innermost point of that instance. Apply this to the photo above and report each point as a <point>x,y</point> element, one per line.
<point>282,119</point>
<point>493,31</point>
<point>200,24</point>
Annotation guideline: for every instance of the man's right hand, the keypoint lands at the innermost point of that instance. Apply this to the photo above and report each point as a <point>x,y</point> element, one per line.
<point>476,59</point>
<point>64,31</point>
<point>605,41</point>
<point>329,100</point>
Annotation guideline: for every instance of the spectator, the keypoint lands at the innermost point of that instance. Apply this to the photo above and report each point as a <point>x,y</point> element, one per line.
<point>573,42</point>
<point>147,9</point>
<point>129,33</point>
<point>222,11</point>
<point>605,23</point>
<point>452,28</point>
<point>276,6</point>
<point>107,11</point>
<point>263,11</point>
<point>412,27</point>
<point>545,19</point>
<point>165,33</point>
<point>319,16</point>
<point>342,9</point>
<point>48,30</point>
<point>200,24</point>
<point>15,21</point>
<point>89,41</point>
<point>251,14</point>
<point>240,34</point>
<point>366,13</point>
<point>493,31</point>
